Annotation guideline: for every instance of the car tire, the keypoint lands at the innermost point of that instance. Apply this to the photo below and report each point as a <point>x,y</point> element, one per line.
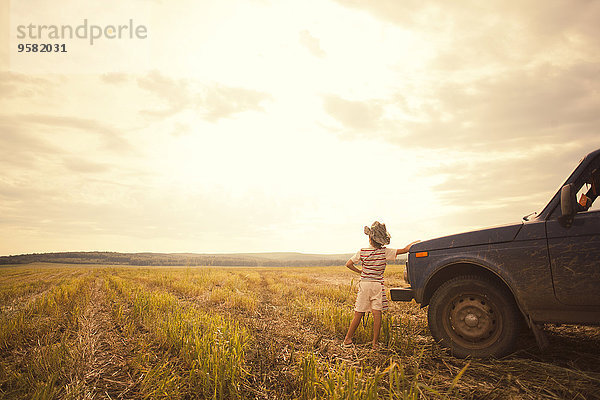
<point>472,316</point>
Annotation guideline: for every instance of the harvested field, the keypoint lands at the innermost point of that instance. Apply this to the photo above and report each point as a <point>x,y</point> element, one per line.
<point>204,332</point>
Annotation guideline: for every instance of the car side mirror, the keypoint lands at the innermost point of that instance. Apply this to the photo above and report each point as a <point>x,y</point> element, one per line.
<point>568,201</point>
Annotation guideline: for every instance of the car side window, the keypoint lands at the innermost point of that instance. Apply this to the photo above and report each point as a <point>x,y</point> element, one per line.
<point>589,189</point>
<point>587,203</point>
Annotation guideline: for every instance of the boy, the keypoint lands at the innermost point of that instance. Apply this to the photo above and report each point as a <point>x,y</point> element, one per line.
<point>371,291</point>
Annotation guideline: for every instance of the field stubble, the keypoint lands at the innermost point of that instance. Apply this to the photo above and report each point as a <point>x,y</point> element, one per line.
<point>123,332</point>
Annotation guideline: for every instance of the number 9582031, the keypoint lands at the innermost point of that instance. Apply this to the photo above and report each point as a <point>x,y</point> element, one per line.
<point>41,48</point>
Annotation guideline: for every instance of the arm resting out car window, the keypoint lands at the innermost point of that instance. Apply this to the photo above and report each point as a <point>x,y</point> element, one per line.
<point>587,199</point>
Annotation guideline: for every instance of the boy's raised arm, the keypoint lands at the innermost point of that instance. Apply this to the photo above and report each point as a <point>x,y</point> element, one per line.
<point>407,248</point>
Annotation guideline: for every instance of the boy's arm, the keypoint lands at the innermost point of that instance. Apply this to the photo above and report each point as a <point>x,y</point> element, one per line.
<point>406,249</point>
<point>350,266</point>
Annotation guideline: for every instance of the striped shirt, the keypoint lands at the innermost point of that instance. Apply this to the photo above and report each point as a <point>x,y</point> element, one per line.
<point>373,263</point>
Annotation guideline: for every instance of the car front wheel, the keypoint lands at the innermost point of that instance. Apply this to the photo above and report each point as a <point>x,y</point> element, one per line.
<point>475,317</point>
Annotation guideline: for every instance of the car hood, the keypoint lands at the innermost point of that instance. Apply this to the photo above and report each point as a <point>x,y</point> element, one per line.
<point>498,234</point>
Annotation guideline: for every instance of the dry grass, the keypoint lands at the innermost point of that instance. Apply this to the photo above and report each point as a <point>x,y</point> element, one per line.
<point>105,332</point>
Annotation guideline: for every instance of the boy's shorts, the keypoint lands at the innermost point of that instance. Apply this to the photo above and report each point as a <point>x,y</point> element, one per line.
<point>370,296</point>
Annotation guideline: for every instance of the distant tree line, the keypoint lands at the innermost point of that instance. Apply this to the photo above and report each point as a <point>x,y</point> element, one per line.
<point>160,259</point>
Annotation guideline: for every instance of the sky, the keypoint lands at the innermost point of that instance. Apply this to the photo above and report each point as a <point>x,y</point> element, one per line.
<point>257,125</point>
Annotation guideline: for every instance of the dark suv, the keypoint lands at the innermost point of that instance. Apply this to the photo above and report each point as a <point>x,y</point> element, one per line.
<point>481,285</point>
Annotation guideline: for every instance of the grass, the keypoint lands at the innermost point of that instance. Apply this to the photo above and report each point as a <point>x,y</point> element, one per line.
<point>199,332</point>
<point>209,349</point>
<point>39,353</point>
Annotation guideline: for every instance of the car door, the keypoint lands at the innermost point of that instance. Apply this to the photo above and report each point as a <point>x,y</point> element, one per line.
<point>575,259</point>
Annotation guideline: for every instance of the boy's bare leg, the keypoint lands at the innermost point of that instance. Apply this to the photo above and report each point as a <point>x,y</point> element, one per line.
<point>376,327</point>
<point>353,325</point>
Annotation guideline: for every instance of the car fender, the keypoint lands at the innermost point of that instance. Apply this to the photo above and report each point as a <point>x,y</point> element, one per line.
<point>464,264</point>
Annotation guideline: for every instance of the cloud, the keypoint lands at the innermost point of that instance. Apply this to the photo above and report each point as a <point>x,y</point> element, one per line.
<point>530,26</point>
<point>20,85</point>
<point>311,43</point>
<point>565,21</point>
<point>493,188</point>
<point>550,105</point>
<point>112,138</point>
<point>499,145</point>
<point>114,77</point>
<point>356,117</point>
<point>214,101</point>
<point>519,134</point>
<point>220,101</point>
<point>16,135</point>
<point>502,177</point>
<point>39,145</point>
<point>174,93</point>
<point>21,148</point>
<point>180,129</point>
<point>80,165</point>
<point>500,74</point>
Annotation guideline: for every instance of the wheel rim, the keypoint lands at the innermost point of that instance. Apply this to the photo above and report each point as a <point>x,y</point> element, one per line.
<point>472,321</point>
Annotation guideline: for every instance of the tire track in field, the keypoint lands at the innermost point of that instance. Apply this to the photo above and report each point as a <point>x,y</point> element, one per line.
<point>271,354</point>
<point>281,337</point>
<point>106,353</point>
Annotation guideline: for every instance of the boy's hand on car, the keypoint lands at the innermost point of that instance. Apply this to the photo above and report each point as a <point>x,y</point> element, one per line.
<point>410,244</point>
